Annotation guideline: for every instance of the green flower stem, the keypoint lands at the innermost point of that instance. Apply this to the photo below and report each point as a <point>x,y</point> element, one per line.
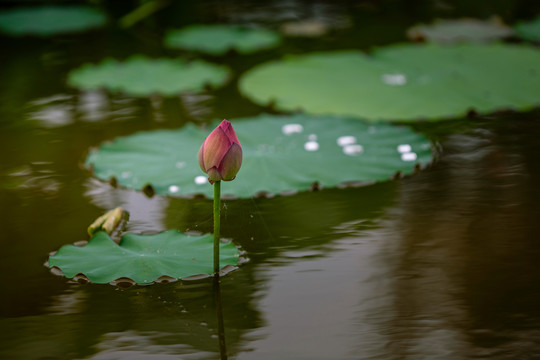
<point>217,215</point>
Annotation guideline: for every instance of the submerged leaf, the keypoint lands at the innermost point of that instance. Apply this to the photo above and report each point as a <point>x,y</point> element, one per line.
<point>142,258</point>
<point>218,39</point>
<point>50,20</point>
<point>141,76</point>
<point>402,82</point>
<point>280,153</point>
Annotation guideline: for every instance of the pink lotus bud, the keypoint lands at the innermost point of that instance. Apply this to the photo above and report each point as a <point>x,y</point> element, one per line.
<point>220,155</point>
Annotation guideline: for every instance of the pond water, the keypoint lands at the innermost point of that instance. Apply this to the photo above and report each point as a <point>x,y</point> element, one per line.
<point>440,265</point>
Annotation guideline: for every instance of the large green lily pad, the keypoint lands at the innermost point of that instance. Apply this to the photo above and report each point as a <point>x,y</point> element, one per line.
<point>281,154</point>
<point>460,30</point>
<point>142,76</point>
<point>50,20</point>
<point>142,258</point>
<point>529,30</point>
<point>402,82</point>
<point>218,39</point>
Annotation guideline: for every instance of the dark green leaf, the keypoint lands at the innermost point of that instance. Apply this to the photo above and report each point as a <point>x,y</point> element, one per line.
<point>281,153</point>
<point>142,258</point>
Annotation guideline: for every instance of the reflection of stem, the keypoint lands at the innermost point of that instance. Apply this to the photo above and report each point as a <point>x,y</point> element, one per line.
<point>221,327</point>
<point>217,205</point>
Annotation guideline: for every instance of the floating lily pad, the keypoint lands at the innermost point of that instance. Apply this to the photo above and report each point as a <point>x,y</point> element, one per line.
<point>529,30</point>
<point>142,258</point>
<point>460,30</point>
<point>50,20</point>
<point>403,82</point>
<point>281,153</point>
<point>141,76</point>
<point>218,39</point>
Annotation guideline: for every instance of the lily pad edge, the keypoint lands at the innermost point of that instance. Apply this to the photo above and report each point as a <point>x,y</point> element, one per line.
<point>148,188</point>
<point>126,282</point>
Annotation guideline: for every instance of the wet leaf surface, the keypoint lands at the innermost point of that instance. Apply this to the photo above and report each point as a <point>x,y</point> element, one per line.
<point>281,154</point>
<point>142,259</point>
<point>401,82</point>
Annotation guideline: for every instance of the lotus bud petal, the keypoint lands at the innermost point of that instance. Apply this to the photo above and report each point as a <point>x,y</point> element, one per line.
<point>220,155</point>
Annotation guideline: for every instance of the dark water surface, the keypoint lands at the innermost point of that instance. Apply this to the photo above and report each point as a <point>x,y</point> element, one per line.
<point>441,265</point>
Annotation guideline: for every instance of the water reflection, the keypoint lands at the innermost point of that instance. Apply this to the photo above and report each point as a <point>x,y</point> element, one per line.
<point>177,320</point>
<point>52,111</point>
<point>35,178</point>
<point>100,106</point>
<point>461,235</point>
<point>442,264</point>
<point>300,18</point>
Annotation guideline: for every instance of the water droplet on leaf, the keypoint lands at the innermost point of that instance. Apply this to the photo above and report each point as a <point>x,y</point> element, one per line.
<point>199,180</point>
<point>346,140</point>
<point>404,148</point>
<point>394,79</point>
<point>311,146</point>
<point>353,149</point>
<point>289,129</point>
<point>408,156</point>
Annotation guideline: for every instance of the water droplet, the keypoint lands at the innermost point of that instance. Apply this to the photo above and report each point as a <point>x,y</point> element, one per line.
<point>199,180</point>
<point>404,148</point>
<point>289,129</point>
<point>312,137</point>
<point>174,189</point>
<point>394,79</point>
<point>408,156</point>
<point>311,146</point>
<point>180,164</point>
<point>353,149</point>
<point>346,140</point>
<point>125,174</point>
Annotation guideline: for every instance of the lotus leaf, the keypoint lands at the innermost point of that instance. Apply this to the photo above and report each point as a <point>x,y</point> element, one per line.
<point>402,82</point>
<point>281,153</point>
<point>529,30</point>
<point>218,39</point>
<point>50,20</point>
<point>458,30</point>
<point>142,258</point>
<point>141,76</point>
